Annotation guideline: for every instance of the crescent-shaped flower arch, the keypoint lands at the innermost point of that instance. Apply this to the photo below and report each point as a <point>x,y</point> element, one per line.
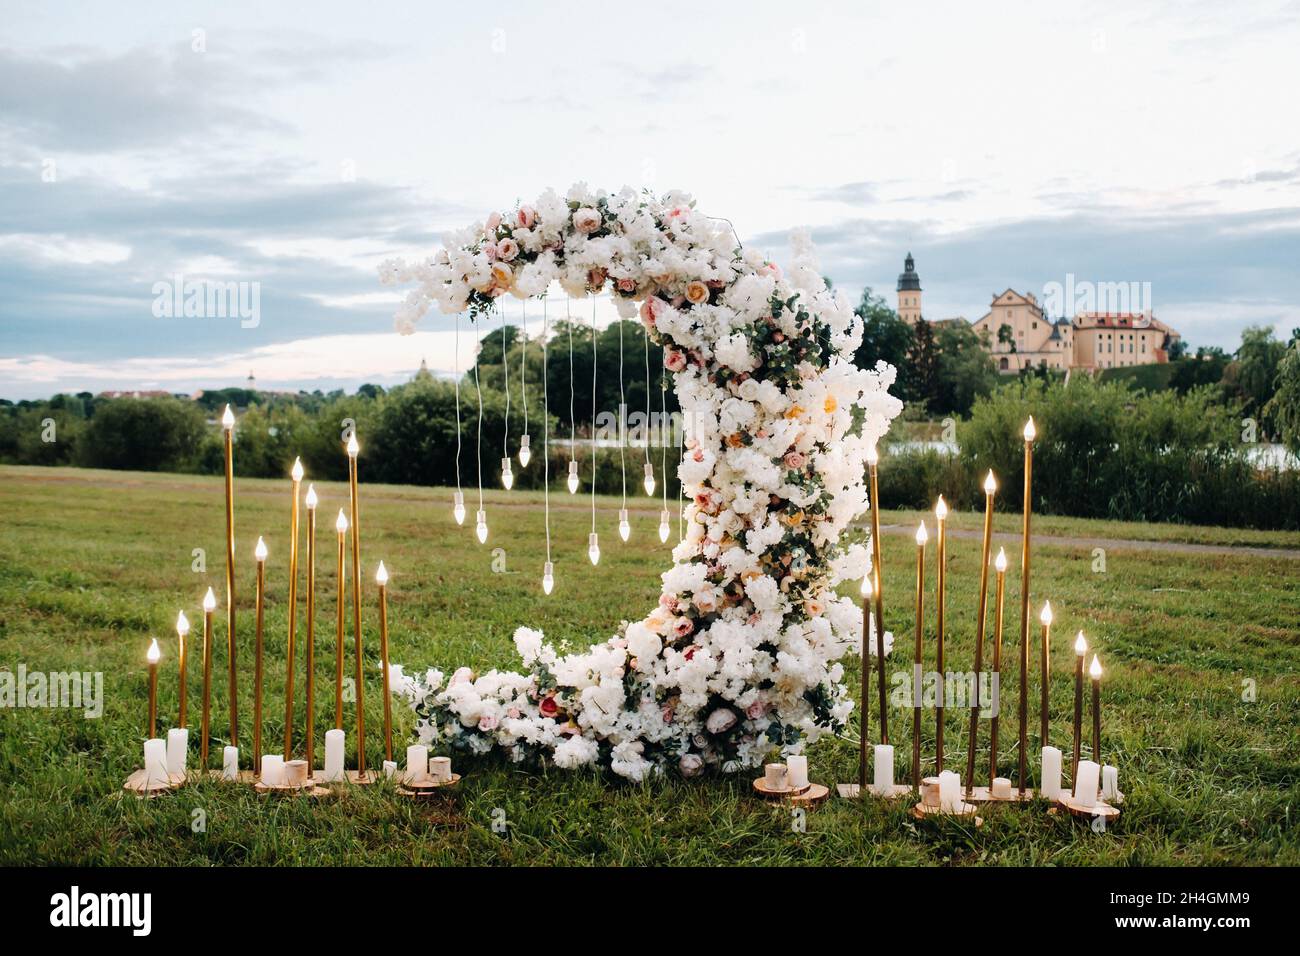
<point>742,655</point>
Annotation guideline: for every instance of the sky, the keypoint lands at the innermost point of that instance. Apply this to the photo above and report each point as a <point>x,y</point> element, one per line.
<point>292,147</point>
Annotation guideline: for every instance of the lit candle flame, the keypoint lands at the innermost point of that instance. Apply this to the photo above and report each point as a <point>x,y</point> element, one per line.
<point>209,601</point>
<point>260,551</point>
<point>381,576</point>
<point>342,523</point>
<point>182,624</point>
<point>866,585</point>
<point>941,509</point>
<point>353,447</point>
<point>1095,670</point>
<point>1030,430</point>
<point>228,419</point>
<point>1080,645</point>
<point>1046,616</point>
<point>312,500</point>
<point>922,536</point>
<point>873,456</point>
<point>155,653</point>
<point>296,473</point>
<point>990,483</point>
<point>1000,562</point>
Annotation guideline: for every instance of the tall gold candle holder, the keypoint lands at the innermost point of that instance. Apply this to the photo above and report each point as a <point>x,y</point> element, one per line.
<point>1045,675</point>
<point>1030,433</point>
<point>877,571</point>
<point>1095,673</point>
<point>228,431</point>
<point>1000,566</point>
<point>209,606</point>
<point>990,489</point>
<point>152,658</point>
<point>259,553</point>
<point>311,501</point>
<point>291,650</point>
<point>182,632</point>
<point>381,578</point>
<point>921,537</point>
<point>341,526</point>
<point>941,519</point>
<point>1080,650</point>
<point>866,683</point>
<point>353,450</point>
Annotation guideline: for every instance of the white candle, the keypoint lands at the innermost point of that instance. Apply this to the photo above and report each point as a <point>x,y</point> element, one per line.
<point>796,771</point>
<point>884,767</point>
<point>273,770</point>
<point>1085,787</point>
<point>774,775</point>
<point>334,739</point>
<point>1001,788</point>
<point>1109,783</point>
<point>295,772</point>
<point>440,769</point>
<point>178,745</point>
<point>230,763</point>
<point>1051,776</point>
<point>390,768</point>
<point>417,762</point>
<point>949,792</point>
<point>155,760</point>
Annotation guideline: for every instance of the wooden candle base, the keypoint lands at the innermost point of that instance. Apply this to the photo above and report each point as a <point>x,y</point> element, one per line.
<point>814,795</point>
<point>849,791</point>
<point>985,795</point>
<point>426,787</point>
<point>362,778</point>
<point>1099,809</point>
<point>776,793</point>
<point>924,811</point>
<point>140,784</point>
<point>298,789</point>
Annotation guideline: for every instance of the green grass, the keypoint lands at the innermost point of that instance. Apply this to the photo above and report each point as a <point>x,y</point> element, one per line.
<point>92,564</point>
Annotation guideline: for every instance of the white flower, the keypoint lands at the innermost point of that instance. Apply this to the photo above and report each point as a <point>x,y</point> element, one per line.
<point>720,721</point>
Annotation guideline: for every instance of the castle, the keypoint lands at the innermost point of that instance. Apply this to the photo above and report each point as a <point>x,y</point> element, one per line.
<point>1020,335</point>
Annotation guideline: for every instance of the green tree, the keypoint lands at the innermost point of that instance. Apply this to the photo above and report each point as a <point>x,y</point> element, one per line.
<point>1254,373</point>
<point>922,363</point>
<point>966,370</point>
<point>1284,407</point>
<point>143,434</point>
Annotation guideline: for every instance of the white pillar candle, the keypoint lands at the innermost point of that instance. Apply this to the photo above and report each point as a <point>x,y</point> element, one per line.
<point>273,770</point>
<point>440,769</point>
<point>1109,783</point>
<point>884,770</point>
<point>155,760</point>
<point>949,792</point>
<point>334,739</point>
<point>796,771</point>
<point>390,768</point>
<point>1050,787</point>
<point>774,776</point>
<point>178,746</point>
<point>417,762</point>
<point>295,772</point>
<point>230,763</point>
<point>1001,789</point>
<point>1085,787</point>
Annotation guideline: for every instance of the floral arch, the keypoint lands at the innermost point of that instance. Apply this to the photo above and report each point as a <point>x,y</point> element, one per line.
<point>742,655</point>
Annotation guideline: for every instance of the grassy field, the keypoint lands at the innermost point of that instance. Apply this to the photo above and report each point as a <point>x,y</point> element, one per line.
<point>92,564</point>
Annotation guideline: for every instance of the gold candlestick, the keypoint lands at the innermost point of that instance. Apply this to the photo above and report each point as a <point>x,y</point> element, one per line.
<point>296,476</point>
<point>260,554</point>
<point>209,605</point>
<point>940,517</point>
<point>879,589</point>
<point>353,450</point>
<point>228,431</point>
<point>866,682</point>
<point>1030,433</point>
<point>921,538</point>
<point>311,502</point>
<point>182,631</point>
<point>1044,668</point>
<point>381,578</point>
<point>990,488</point>
<point>1080,649</point>
<point>1095,673</point>
<point>152,657</point>
<point>1000,565</point>
<point>341,525</point>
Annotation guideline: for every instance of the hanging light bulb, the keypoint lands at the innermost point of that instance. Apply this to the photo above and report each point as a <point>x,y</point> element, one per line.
<point>480,528</point>
<point>593,548</point>
<point>548,577</point>
<point>458,507</point>
<point>649,479</point>
<point>573,477</point>
<point>507,476</point>
<point>525,452</point>
<point>663,525</point>
<point>624,529</point>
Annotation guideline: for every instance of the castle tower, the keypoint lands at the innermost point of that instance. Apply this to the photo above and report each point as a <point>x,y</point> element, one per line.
<point>909,292</point>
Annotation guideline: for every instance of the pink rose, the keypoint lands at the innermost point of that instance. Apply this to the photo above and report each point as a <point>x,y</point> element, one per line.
<point>756,710</point>
<point>626,285</point>
<point>674,360</point>
<point>705,600</point>
<point>548,707</point>
<point>462,675</point>
<point>772,269</point>
<point>667,713</point>
<point>668,602</point>
<point>813,607</point>
<point>795,460</point>
<point>507,249</point>
<point>493,221</point>
<point>527,216</point>
<point>488,722</point>
<point>586,220</point>
<point>651,309</point>
<point>697,292</point>
<point>683,626</point>
<point>513,713</point>
<point>490,250</point>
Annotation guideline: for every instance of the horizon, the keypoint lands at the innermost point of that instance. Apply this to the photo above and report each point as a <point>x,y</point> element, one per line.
<point>1112,144</point>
